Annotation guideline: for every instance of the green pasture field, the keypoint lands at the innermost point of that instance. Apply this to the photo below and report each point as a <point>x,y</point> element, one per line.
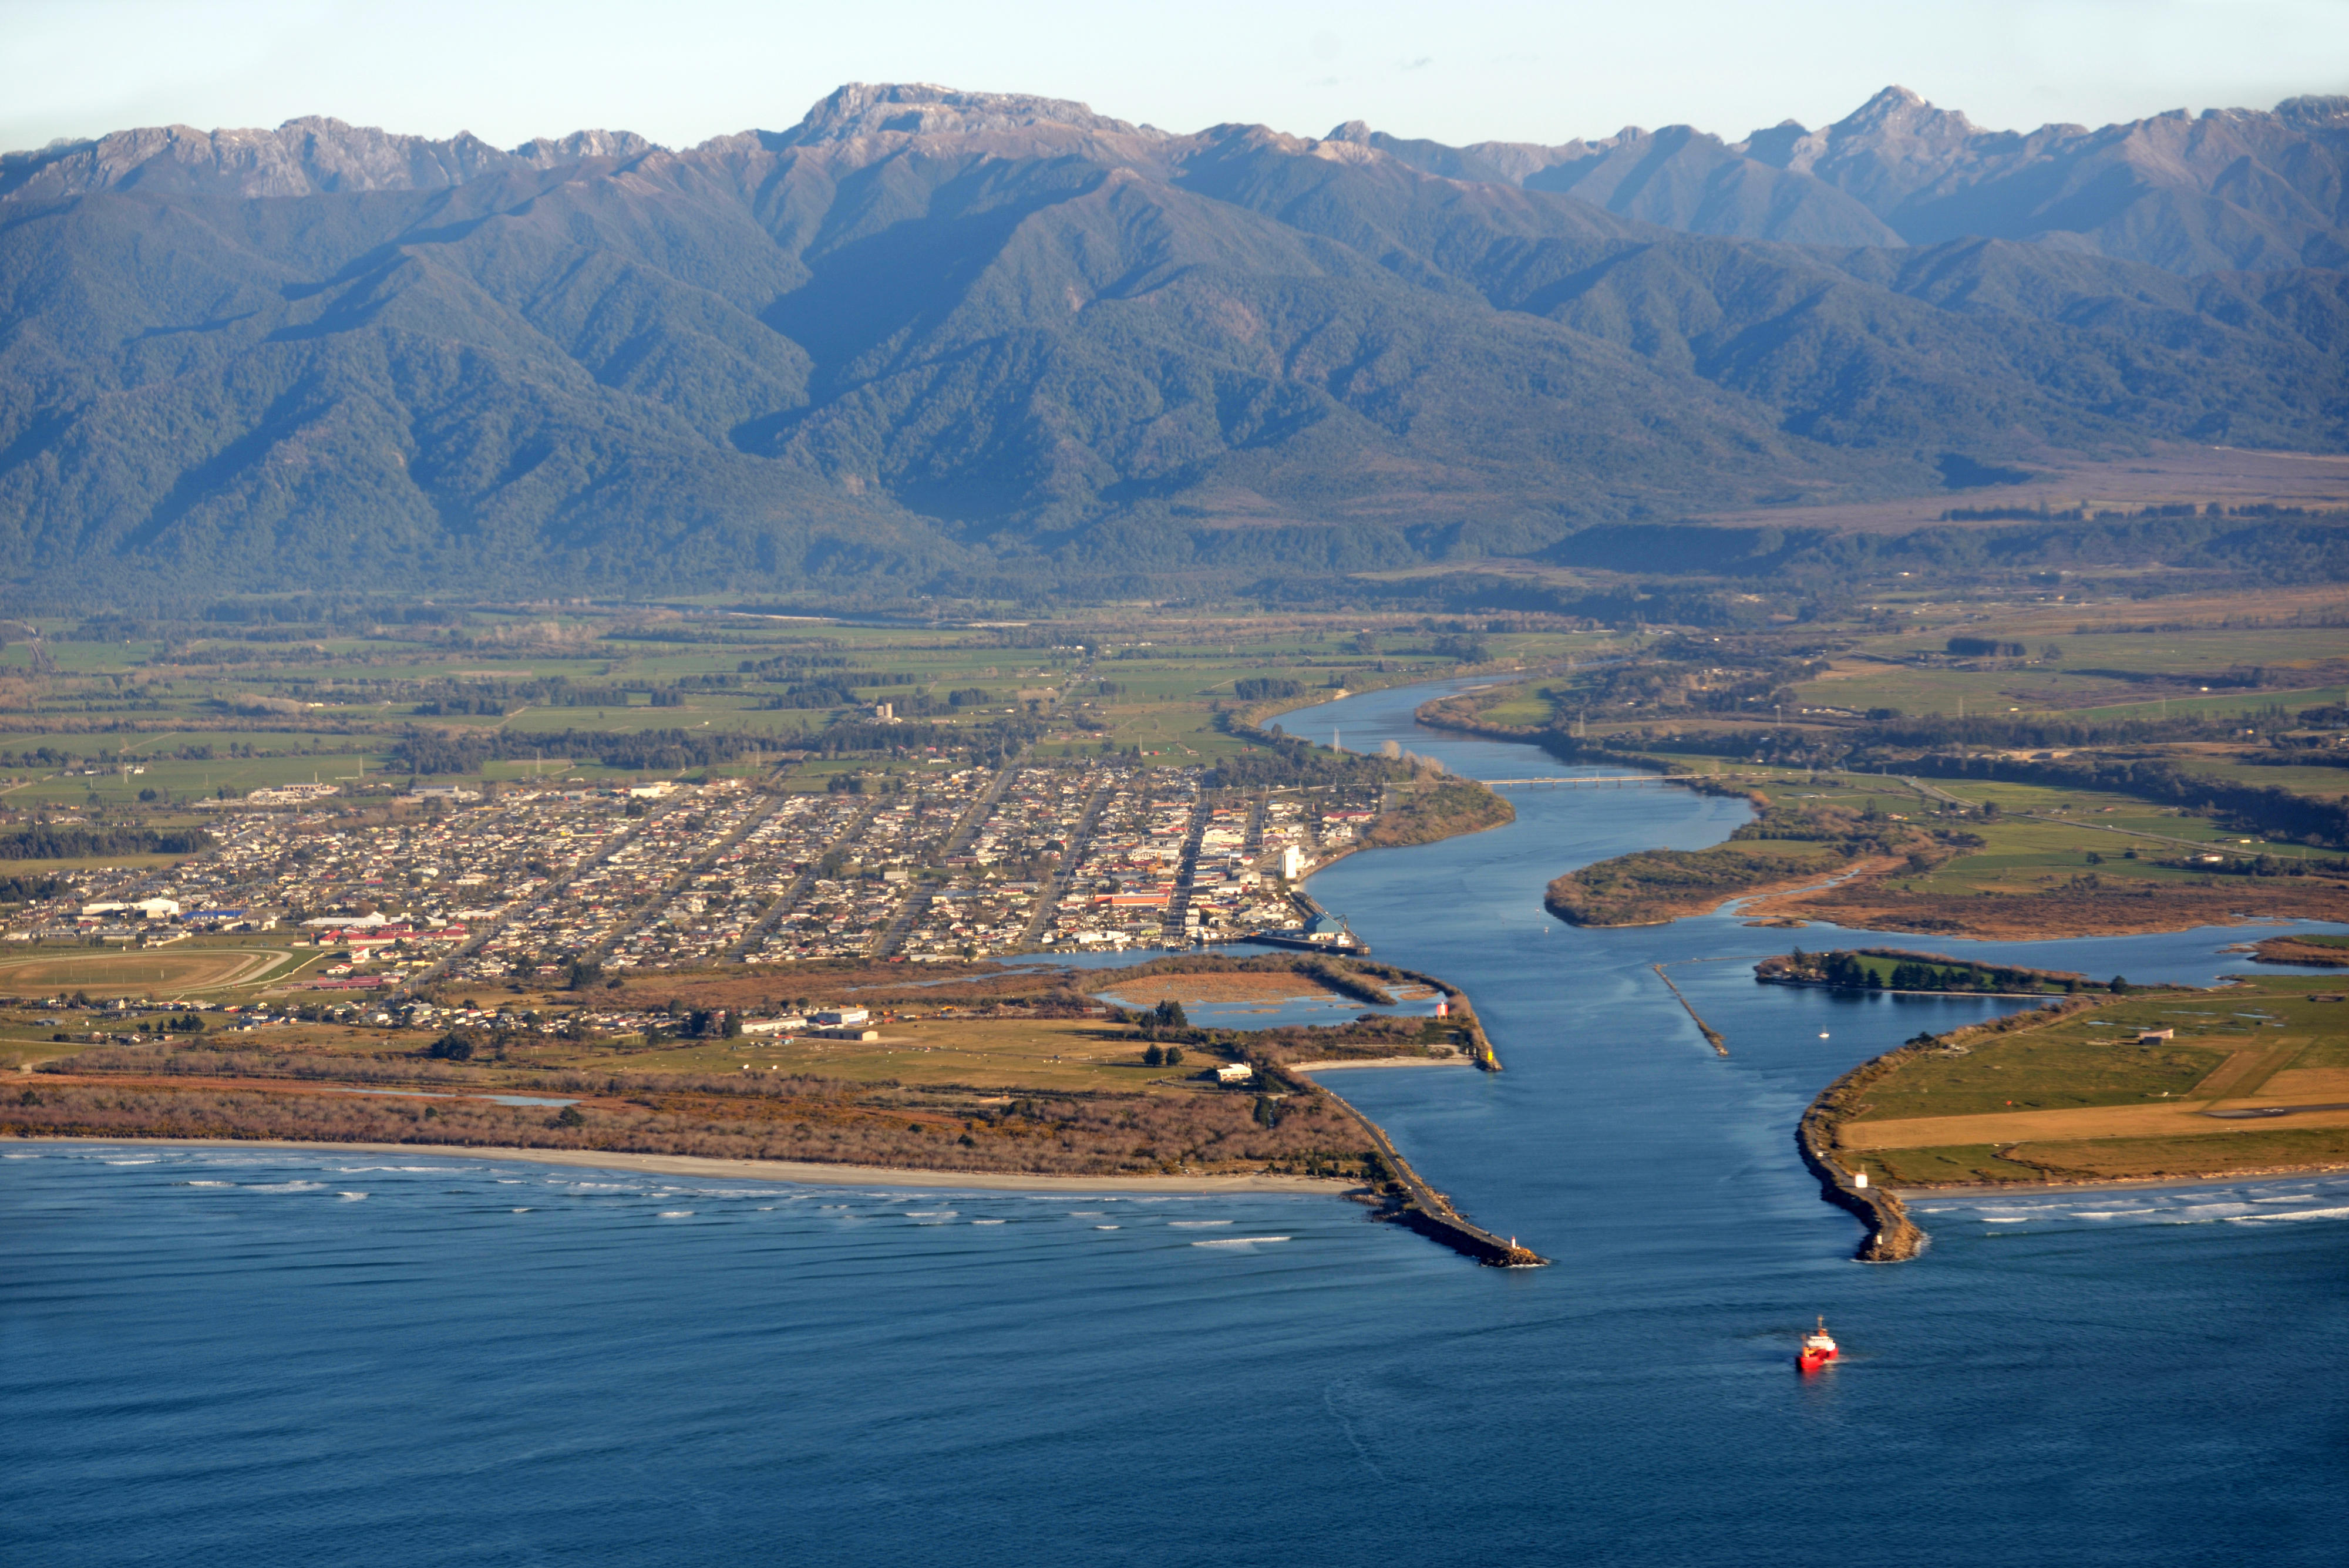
<point>1530,704</point>
<point>2218,704</point>
<point>991,1054</point>
<point>1167,676</point>
<point>2188,626</point>
<point>147,745</point>
<point>2055,1069</point>
<point>2094,810</point>
<point>2024,853</point>
<point>99,658</point>
<point>724,713</point>
<point>198,780</point>
<point>462,665</point>
<point>2075,1062</point>
<point>2092,1058</point>
<point>1911,689</point>
<point>2327,783</point>
<point>2201,652</point>
<point>2195,650</point>
<point>89,863</point>
<point>20,1052</point>
<point>2083,642</point>
<point>2037,689</point>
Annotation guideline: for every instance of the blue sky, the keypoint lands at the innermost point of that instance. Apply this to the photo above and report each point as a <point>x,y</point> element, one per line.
<point>683,71</point>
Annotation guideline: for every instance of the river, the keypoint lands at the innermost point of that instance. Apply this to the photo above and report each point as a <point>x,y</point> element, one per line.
<point>306,1357</point>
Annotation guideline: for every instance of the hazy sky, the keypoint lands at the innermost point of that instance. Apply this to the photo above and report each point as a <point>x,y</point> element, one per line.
<point>511,69</point>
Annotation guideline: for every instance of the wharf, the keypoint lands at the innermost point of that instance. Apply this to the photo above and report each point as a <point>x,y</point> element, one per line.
<point>1306,944</point>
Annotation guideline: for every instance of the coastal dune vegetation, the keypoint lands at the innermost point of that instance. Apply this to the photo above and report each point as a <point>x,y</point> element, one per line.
<point>973,1069</point>
<point>765,1117</point>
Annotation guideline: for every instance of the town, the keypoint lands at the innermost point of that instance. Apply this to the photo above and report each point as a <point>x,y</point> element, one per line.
<point>557,887</point>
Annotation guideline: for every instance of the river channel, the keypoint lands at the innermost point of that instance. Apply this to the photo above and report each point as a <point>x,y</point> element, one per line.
<point>301,1356</point>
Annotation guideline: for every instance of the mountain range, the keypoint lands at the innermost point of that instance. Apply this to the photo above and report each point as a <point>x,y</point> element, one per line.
<point>952,342</point>
<point>2228,191</point>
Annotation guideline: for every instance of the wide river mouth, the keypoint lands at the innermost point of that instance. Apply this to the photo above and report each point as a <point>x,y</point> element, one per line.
<point>224,1356</point>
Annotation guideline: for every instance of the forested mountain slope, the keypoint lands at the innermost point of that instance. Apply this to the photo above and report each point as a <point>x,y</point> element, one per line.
<point>928,338</point>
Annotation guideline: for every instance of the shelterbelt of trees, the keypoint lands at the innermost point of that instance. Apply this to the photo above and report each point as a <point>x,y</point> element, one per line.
<point>1897,969</point>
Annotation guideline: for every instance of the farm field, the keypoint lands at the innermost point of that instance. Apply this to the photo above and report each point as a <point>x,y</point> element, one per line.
<point>1916,691</point>
<point>2077,659</point>
<point>2085,1099</point>
<point>178,782</point>
<point>2043,843</point>
<point>2319,781</point>
<point>2043,833</point>
<point>215,710</point>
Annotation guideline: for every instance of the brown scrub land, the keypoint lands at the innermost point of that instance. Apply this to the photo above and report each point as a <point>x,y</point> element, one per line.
<point>1871,903</point>
<point>2329,952</point>
<point>1239,985</point>
<point>992,1072</point>
<point>1784,846</point>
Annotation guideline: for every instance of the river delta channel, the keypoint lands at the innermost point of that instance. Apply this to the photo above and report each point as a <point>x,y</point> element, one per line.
<point>284,1357</point>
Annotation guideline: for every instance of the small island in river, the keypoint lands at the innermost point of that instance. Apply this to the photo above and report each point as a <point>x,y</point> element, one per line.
<point>1897,969</point>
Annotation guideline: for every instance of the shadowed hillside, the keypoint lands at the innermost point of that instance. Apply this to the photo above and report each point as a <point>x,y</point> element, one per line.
<point>928,338</point>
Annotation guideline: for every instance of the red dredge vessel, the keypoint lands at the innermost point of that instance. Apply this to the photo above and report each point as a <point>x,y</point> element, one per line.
<point>1818,1349</point>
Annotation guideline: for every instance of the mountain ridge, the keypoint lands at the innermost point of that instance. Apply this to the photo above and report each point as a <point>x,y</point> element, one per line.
<point>931,333</point>
<point>2229,189</point>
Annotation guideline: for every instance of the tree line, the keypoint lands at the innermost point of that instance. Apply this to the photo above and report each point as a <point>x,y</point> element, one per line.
<point>45,841</point>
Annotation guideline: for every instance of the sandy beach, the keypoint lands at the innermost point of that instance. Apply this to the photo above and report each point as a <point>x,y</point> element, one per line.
<point>762,1169</point>
<point>1383,1062</point>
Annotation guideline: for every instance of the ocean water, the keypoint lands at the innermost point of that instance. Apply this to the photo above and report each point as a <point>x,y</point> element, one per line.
<point>293,1356</point>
